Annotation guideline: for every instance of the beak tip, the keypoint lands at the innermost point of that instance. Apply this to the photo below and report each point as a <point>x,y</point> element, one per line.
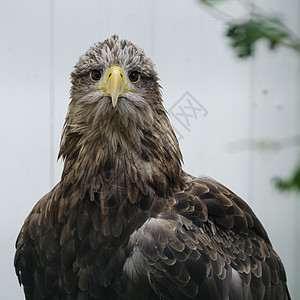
<point>114,102</point>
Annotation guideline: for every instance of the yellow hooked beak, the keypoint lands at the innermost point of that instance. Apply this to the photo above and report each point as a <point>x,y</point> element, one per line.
<point>114,86</point>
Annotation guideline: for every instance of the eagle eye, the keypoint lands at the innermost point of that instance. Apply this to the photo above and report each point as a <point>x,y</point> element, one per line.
<point>95,75</point>
<point>134,76</point>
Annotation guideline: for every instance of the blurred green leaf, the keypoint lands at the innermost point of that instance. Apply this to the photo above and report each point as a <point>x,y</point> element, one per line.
<point>289,184</point>
<point>244,35</point>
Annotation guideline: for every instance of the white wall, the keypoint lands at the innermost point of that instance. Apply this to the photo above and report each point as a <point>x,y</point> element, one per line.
<point>246,100</point>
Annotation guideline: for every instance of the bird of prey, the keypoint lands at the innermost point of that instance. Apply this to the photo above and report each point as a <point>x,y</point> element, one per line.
<point>125,221</point>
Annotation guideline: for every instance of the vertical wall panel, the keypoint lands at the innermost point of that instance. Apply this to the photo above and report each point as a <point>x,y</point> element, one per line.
<point>275,120</point>
<point>24,118</point>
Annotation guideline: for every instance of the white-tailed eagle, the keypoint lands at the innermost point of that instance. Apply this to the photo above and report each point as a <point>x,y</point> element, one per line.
<point>125,221</point>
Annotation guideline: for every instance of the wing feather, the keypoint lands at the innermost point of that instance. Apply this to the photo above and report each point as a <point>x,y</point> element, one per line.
<point>212,245</point>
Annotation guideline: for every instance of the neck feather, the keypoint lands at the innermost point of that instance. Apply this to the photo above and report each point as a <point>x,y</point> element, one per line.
<point>120,154</point>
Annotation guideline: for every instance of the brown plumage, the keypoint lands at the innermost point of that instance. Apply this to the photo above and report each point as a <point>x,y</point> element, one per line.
<point>125,221</point>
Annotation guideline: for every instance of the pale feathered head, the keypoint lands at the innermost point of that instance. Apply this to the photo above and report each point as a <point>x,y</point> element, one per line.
<point>115,80</point>
<point>113,71</point>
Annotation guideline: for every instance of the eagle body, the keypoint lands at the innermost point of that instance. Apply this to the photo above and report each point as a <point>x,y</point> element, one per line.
<point>125,221</point>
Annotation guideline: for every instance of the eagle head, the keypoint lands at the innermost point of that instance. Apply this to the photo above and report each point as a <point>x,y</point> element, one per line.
<point>116,120</point>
